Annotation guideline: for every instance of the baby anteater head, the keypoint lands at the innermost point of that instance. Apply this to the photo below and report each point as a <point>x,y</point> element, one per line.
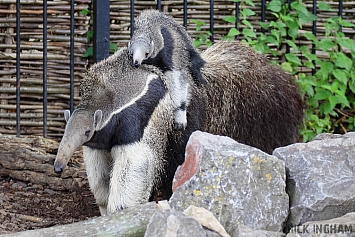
<point>140,48</point>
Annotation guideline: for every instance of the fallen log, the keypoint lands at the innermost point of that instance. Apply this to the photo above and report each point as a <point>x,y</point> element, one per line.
<point>31,159</point>
<point>128,222</point>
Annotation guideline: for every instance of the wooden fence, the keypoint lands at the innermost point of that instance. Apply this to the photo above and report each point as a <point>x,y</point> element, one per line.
<point>59,70</point>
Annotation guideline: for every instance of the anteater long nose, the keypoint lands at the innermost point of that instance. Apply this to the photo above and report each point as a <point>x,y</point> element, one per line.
<point>58,168</point>
<point>136,64</point>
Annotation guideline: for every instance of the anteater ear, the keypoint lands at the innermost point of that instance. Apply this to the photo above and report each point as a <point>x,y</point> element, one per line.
<point>67,115</point>
<point>97,118</point>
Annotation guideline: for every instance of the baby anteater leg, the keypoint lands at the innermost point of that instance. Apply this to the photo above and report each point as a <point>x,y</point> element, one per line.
<point>178,88</point>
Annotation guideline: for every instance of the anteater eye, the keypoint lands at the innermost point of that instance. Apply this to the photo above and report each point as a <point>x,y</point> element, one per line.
<point>87,132</point>
<point>146,55</point>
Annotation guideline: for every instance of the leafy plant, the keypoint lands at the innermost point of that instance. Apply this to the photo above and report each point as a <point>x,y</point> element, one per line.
<point>329,93</point>
<point>202,37</point>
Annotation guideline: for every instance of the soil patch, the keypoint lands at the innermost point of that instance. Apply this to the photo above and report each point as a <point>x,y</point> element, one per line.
<point>28,206</point>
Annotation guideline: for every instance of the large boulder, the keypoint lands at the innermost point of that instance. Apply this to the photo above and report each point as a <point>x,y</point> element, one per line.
<point>320,177</point>
<point>237,183</point>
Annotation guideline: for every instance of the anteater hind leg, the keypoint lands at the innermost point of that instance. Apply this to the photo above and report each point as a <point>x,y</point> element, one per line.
<point>178,88</point>
<point>98,165</point>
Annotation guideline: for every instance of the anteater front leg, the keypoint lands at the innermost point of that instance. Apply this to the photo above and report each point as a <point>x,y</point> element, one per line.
<point>132,176</point>
<point>98,164</point>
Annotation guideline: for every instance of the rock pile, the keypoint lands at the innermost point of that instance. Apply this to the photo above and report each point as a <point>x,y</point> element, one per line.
<point>225,188</point>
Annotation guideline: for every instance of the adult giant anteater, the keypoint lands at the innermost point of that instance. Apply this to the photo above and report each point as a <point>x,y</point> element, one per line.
<point>125,119</point>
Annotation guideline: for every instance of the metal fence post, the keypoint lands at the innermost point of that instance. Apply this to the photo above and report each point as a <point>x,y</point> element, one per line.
<point>101,30</point>
<point>18,67</point>
<point>45,68</point>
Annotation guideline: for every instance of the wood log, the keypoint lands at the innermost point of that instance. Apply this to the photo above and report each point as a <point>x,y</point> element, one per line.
<point>31,159</point>
<point>132,221</point>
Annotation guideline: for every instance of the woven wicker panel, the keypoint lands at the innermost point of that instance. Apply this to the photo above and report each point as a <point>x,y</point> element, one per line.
<point>58,49</point>
<point>58,53</point>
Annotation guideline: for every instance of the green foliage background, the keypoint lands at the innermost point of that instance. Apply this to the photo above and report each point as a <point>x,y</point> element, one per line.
<point>329,90</point>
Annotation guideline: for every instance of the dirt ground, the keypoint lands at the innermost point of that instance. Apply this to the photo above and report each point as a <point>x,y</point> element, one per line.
<point>27,206</point>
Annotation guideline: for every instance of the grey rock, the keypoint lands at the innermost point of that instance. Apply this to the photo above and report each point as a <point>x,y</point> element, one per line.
<point>237,183</point>
<point>172,223</point>
<point>245,231</point>
<point>206,219</point>
<point>338,227</point>
<point>320,178</point>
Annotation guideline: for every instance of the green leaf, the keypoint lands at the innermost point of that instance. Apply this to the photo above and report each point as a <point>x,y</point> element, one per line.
<point>247,23</point>
<point>341,99</point>
<point>306,17</point>
<point>346,43</point>
<point>276,33</point>
<point>328,87</point>
<point>247,12</point>
<point>286,18</point>
<point>309,56</point>
<point>324,6</point>
<point>262,38</point>
<point>250,3</point>
<point>262,48</point>
<point>325,68</point>
<point>341,76</point>
<point>309,65</point>
<point>326,108</point>
<point>272,40</point>
<point>346,23</point>
<point>89,35</point>
<point>352,82</point>
<point>325,44</point>
<point>88,52</point>
<point>277,24</point>
<point>287,67</point>
<point>233,32</point>
<point>274,5</point>
<point>84,12</point>
<point>249,33</point>
<point>264,25</point>
<point>113,47</point>
<point>343,61</point>
<point>292,28</point>
<point>283,31</point>
<point>291,57</point>
<point>333,101</point>
<point>306,79</point>
<point>310,36</point>
<point>198,23</point>
<point>230,19</point>
<point>292,45</point>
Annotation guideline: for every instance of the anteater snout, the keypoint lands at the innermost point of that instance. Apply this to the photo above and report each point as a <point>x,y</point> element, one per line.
<point>58,168</point>
<point>136,64</point>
